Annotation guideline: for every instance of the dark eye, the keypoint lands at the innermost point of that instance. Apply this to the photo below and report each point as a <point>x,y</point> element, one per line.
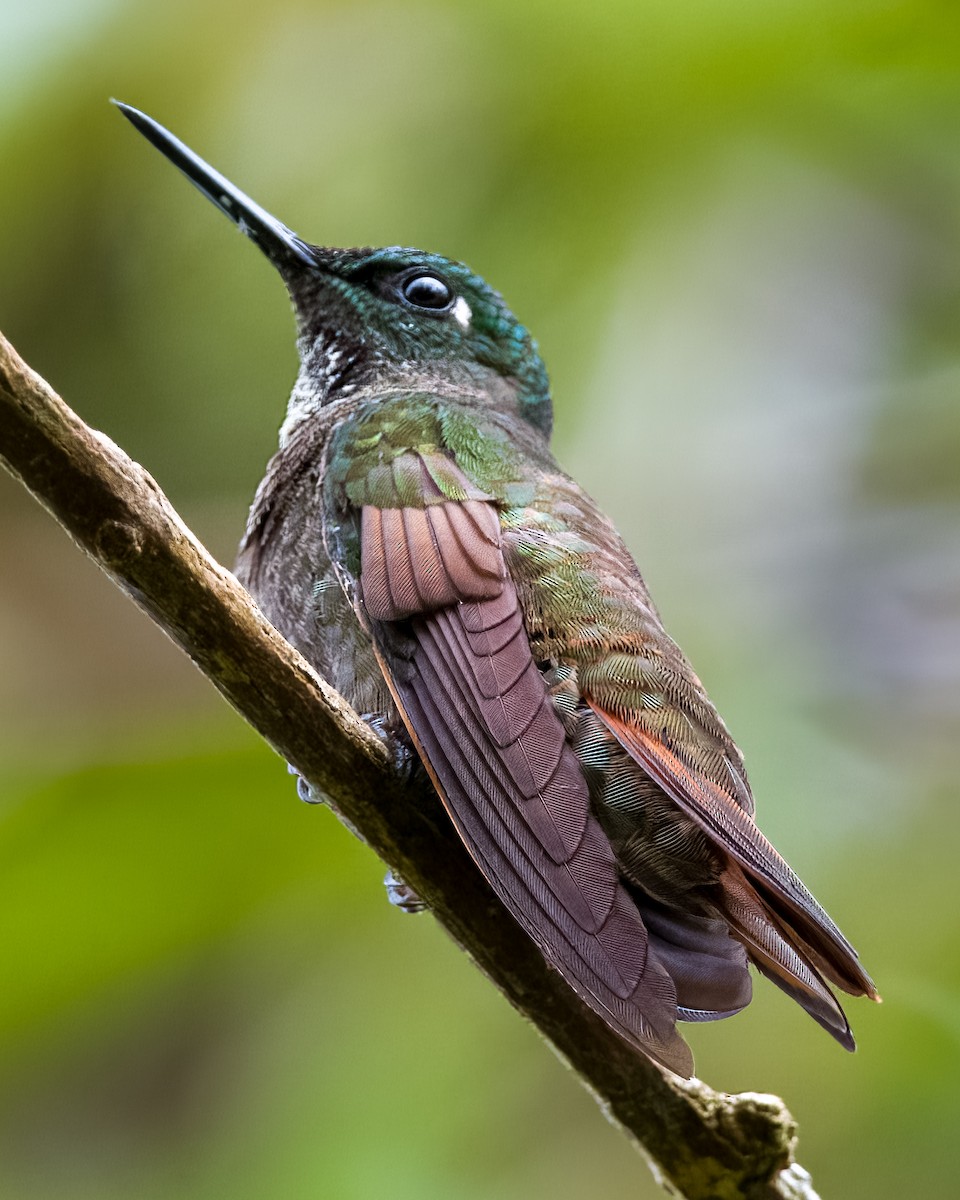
<point>426,291</point>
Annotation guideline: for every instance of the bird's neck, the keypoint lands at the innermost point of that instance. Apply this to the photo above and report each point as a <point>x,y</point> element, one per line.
<point>336,371</point>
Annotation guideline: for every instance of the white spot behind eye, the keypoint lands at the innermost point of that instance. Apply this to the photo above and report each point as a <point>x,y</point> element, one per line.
<point>462,312</point>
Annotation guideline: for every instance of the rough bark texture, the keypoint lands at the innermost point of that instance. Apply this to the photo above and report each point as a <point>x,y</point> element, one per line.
<point>703,1145</point>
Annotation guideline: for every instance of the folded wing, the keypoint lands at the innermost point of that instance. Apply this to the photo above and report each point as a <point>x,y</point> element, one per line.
<point>450,636</point>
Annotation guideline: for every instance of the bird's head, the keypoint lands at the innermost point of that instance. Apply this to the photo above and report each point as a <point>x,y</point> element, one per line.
<point>398,316</point>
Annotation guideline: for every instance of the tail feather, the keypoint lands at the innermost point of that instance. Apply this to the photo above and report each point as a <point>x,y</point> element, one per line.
<point>780,955</point>
<point>842,970</point>
<point>708,966</point>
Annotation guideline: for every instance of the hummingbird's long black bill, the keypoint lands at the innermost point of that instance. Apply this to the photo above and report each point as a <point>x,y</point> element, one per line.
<point>280,244</point>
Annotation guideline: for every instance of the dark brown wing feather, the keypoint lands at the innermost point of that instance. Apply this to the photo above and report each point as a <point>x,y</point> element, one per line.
<point>419,559</point>
<point>479,712</point>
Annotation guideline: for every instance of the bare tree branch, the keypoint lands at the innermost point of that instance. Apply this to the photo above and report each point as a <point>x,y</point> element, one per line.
<point>707,1145</point>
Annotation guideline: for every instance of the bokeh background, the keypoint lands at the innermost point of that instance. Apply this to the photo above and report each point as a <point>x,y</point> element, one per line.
<point>735,229</point>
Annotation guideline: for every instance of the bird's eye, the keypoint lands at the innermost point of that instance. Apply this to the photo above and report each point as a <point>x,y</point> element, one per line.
<point>426,291</point>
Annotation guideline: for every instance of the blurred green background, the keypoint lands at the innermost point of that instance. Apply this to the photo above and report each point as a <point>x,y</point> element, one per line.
<point>735,229</point>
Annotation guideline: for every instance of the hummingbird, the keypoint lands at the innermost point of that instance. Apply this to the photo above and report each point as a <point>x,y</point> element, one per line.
<point>416,541</point>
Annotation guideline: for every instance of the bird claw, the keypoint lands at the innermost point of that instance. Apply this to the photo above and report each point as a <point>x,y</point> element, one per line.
<point>393,735</point>
<point>307,793</point>
<point>401,895</point>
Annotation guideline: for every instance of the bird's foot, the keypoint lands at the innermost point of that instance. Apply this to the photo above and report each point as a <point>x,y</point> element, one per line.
<point>306,792</point>
<point>394,736</point>
<point>401,895</point>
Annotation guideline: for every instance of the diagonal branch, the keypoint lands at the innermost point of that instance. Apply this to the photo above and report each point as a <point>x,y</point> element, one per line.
<point>706,1144</point>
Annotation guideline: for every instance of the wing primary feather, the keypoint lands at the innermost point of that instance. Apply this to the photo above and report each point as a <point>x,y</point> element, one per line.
<point>645,1016</point>
<point>517,810</point>
<point>595,938</point>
